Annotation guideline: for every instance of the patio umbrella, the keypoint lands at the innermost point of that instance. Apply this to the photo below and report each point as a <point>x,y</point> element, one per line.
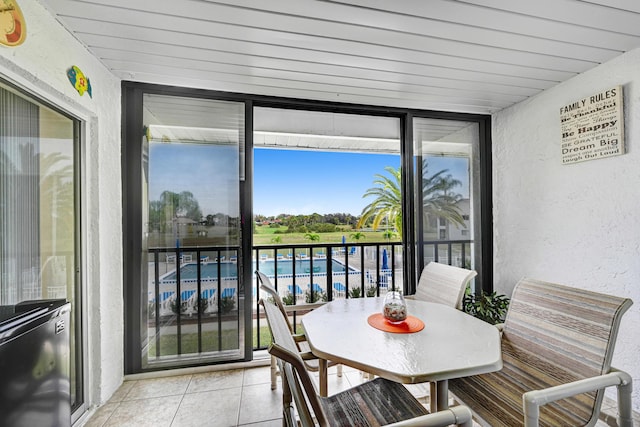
<point>344,239</point>
<point>385,259</point>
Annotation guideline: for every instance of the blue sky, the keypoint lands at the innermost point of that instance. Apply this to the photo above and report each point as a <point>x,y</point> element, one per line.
<point>210,172</point>
<point>285,181</point>
<point>304,182</point>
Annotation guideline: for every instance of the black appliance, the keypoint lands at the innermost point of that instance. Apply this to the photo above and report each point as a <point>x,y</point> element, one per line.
<point>35,364</point>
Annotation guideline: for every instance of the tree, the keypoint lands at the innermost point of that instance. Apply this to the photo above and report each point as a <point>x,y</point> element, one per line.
<point>172,205</point>
<point>388,234</point>
<point>182,204</point>
<point>439,200</point>
<point>357,235</point>
<point>312,236</point>
<point>387,203</point>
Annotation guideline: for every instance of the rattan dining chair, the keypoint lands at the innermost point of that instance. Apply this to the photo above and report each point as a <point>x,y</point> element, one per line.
<point>374,403</point>
<point>311,362</point>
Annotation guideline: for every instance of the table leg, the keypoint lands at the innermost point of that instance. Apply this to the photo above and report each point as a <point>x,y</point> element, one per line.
<point>433,397</point>
<point>322,368</point>
<point>442,395</point>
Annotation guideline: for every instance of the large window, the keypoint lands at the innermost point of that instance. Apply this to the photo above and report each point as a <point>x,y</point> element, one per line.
<point>38,211</point>
<point>404,187</point>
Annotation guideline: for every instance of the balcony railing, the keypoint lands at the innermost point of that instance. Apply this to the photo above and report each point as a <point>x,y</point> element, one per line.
<point>199,286</point>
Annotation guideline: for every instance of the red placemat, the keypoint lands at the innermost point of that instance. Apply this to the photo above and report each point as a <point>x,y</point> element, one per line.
<point>409,325</point>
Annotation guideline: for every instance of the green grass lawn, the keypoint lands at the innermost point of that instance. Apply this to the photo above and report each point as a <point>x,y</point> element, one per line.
<point>189,344</point>
<point>264,234</point>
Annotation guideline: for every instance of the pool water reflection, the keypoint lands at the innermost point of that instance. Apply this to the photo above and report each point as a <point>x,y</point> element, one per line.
<point>209,270</point>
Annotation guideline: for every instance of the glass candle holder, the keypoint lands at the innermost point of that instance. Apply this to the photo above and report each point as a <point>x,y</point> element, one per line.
<point>394,308</point>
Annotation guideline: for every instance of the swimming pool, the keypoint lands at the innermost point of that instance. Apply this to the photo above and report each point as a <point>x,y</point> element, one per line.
<point>209,270</point>
<point>302,266</point>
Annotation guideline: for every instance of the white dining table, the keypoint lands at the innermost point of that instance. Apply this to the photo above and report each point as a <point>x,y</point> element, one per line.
<point>452,344</point>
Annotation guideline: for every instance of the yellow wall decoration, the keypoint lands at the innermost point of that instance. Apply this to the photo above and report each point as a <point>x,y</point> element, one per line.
<point>79,80</point>
<point>13,29</point>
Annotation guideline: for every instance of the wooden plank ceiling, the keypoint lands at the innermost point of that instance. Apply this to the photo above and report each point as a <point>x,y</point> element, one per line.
<point>476,56</point>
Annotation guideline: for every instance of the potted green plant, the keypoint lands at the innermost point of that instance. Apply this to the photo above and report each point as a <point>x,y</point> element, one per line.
<point>492,308</point>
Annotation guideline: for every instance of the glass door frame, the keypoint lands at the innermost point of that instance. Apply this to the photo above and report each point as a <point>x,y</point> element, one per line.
<point>80,318</point>
<point>132,134</point>
<point>484,279</point>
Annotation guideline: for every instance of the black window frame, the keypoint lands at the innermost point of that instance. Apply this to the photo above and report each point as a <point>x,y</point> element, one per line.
<point>132,227</point>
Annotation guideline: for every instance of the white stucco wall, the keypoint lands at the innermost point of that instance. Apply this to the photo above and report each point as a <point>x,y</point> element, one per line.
<point>39,65</point>
<point>576,224</point>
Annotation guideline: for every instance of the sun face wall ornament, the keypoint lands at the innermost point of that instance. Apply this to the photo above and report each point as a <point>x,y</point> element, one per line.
<point>79,80</point>
<point>13,29</point>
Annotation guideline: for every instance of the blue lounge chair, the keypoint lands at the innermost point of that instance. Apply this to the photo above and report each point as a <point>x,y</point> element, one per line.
<point>185,295</point>
<point>316,288</point>
<point>228,292</point>
<point>165,302</point>
<point>208,293</point>
<point>298,290</point>
<point>166,295</point>
<point>339,287</point>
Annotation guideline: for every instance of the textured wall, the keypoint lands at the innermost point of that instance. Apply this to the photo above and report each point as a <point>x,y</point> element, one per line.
<point>576,224</point>
<point>39,65</point>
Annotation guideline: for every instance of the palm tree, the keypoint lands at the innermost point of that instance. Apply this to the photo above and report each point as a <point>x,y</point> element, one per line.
<point>388,234</point>
<point>387,203</point>
<point>312,236</point>
<point>357,235</point>
<point>438,198</point>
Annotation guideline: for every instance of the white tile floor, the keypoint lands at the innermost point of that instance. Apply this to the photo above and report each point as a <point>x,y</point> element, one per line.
<point>241,397</point>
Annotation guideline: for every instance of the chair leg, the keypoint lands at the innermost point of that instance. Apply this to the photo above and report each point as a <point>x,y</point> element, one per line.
<point>274,374</point>
<point>339,369</point>
<point>322,368</point>
<point>625,412</point>
<point>433,397</point>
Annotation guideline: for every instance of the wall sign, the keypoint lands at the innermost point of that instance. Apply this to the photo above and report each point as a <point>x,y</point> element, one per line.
<point>13,30</point>
<point>79,81</point>
<point>593,127</point>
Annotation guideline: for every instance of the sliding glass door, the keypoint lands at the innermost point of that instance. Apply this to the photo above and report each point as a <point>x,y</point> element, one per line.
<point>448,192</point>
<point>39,221</point>
<point>191,294</point>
